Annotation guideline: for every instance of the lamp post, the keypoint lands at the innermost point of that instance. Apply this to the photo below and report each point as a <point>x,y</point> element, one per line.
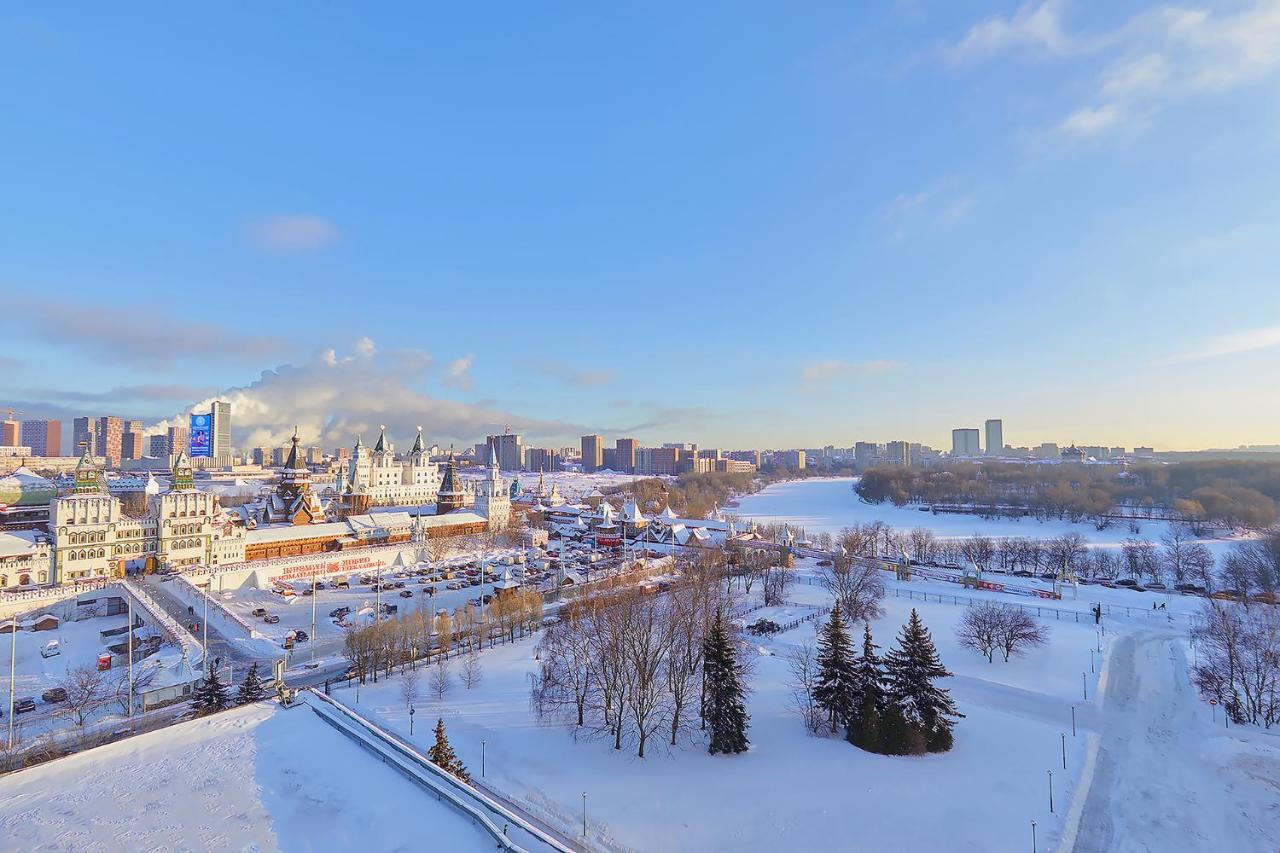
<point>204,628</point>
<point>482,742</point>
<point>129,597</point>
<point>313,617</point>
<point>13,660</point>
<point>584,814</point>
<point>412,711</point>
<point>1050,792</point>
<point>1033,836</point>
<point>1064,750</point>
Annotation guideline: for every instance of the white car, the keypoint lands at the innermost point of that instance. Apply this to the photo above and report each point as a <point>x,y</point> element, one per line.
<point>50,649</point>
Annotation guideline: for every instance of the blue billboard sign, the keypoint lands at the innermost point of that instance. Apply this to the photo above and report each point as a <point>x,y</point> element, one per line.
<point>201,435</point>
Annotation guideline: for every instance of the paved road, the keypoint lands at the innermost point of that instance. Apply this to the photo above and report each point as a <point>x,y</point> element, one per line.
<point>1160,783</point>
<point>219,647</point>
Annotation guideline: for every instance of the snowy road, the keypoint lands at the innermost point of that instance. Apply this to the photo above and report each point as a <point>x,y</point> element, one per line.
<point>1165,778</point>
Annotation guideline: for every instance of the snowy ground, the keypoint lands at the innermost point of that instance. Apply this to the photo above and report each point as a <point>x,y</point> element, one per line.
<point>829,505</point>
<point>792,791</point>
<point>255,778</point>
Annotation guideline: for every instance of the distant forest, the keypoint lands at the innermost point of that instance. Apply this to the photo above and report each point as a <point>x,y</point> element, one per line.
<point>1212,492</point>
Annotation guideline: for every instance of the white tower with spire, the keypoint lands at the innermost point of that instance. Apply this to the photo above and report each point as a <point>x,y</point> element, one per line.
<point>493,501</point>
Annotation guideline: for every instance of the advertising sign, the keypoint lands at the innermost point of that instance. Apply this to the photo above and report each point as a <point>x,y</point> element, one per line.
<point>201,435</point>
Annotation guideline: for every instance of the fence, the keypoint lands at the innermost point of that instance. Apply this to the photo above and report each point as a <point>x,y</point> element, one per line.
<point>168,624</point>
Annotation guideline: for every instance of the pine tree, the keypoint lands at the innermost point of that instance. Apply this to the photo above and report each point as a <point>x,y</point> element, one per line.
<point>443,756</point>
<point>210,696</point>
<point>252,688</point>
<point>912,668</point>
<point>834,691</point>
<point>725,709</point>
<point>869,692</point>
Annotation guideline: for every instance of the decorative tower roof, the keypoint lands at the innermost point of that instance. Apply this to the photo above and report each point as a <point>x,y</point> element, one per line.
<point>293,463</point>
<point>381,446</point>
<point>449,497</point>
<point>88,477</point>
<point>417,443</point>
<point>355,451</point>
<point>183,479</point>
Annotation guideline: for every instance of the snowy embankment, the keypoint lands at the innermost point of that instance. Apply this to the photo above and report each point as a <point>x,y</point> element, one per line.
<point>253,778</point>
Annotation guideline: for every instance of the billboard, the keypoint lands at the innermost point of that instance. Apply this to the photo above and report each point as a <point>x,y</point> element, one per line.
<point>201,432</point>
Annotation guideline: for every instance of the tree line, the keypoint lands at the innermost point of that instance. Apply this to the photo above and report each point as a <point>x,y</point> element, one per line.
<point>1231,493</point>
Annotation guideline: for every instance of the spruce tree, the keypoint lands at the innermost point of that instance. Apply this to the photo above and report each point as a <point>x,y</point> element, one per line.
<point>443,756</point>
<point>252,688</point>
<point>912,668</point>
<point>869,692</point>
<point>210,696</point>
<point>834,691</point>
<point>725,709</point>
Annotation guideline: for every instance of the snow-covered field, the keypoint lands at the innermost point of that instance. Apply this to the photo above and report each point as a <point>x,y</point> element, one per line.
<point>791,791</point>
<point>830,505</point>
<point>254,778</point>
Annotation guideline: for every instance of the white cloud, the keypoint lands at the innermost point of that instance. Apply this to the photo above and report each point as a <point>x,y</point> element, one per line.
<point>1249,340</point>
<point>293,233</point>
<point>834,369</point>
<point>1089,121</point>
<point>333,397</point>
<point>1037,27</point>
<point>937,207</point>
<point>1149,62</point>
<point>457,374</point>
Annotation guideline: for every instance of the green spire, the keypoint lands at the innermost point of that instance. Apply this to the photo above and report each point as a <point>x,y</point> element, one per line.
<point>88,477</point>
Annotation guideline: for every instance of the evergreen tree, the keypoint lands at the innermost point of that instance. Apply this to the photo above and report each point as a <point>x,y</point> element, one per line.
<point>725,709</point>
<point>443,756</point>
<point>912,668</point>
<point>834,691</point>
<point>869,692</point>
<point>210,696</point>
<point>252,688</point>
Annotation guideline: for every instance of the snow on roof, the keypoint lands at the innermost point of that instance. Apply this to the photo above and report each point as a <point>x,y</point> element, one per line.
<point>285,532</point>
<point>17,543</point>
<point>458,516</point>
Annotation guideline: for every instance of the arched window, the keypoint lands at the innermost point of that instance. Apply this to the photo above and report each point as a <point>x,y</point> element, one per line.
<point>43,577</point>
<point>102,552</point>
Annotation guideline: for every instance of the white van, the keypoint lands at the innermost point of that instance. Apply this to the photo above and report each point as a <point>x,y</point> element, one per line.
<point>50,649</point>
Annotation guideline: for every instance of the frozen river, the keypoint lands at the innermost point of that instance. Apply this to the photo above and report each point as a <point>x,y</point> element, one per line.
<point>830,505</point>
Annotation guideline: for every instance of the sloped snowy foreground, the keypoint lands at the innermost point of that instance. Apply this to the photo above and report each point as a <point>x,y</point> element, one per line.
<point>254,778</point>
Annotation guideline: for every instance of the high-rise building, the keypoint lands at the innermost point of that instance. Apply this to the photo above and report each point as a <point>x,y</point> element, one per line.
<point>965,442</point>
<point>109,439</point>
<point>133,444</point>
<point>865,454</point>
<point>509,447</point>
<point>789,459</point>
<point>539,459</point>
<point>84,437</point>
<point>221,430</point>
<point>10,430</point>
<point>898,453</point>
<point>625,449</point>
<point>592,452</point>
<point>43,437</point>
<point>995,436</point>
<point>158,446</point>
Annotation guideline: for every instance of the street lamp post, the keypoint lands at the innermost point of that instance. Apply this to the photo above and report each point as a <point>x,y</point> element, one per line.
<point>130,600</point>
<point>13,661</point>
<point>1064,750</point>
<point>412,711</point>
<point>1033,836</point>
<point>1050,792</point>
<point>313,617</point>
<point>584,814</point>
<point>204,627</point>
<point>482,742</point>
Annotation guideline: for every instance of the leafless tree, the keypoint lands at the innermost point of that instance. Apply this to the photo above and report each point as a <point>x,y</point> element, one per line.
<point>923,544</point>
<point>1019,632</point>
<point>440,680</point>
<point>85,688</point>
<point>804,678</point>
<point>1238,654</point>
<point>1175,545</point>
<point>857,584</point>
<point>472,671</point>
<point>979,549</point>
<point>980,628</point>
<point>409,686</point>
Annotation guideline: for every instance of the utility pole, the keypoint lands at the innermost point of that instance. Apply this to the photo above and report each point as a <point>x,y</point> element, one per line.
<point>204,627</point>
<point>13,662</point>
<point>129,597</point>
<point>313,617</point>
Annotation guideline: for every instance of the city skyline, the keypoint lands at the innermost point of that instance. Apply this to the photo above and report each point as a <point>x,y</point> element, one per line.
<point>883,223</point>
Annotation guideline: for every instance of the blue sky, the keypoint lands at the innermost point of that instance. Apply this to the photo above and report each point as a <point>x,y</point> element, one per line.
<point>740,224</point>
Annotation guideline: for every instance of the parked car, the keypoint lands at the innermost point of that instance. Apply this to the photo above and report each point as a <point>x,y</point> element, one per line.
<point>1136,588</point>
<point>300,636</point>
<point>54,694</point>
<point>259,611</point>
<point>1126,582</point>
<point>406,593</point>
<point>487,597</point>
<point>1023,573</point>
<point>306,590</point>
<point>428,590</point>
<point>399,584</point>
<point>339,612</point>
<point>1156,585</point>
<point>1048,576</point>
<point>50,649</point>
<point>1190,589</point>
<point>271,619</point>
<point>24,705</point>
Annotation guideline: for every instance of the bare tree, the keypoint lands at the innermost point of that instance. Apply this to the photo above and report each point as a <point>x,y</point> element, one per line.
<point>1238,654</point>
<point>804,678</point>
<point>440,680</point>
<point>409,686</point>
<point>1175,546</point>
<point>857,584</point>
<point>472,671</point>
<point>980,628</point>
<point>1019,632</point>
<point>923,544</point>
<point>85,688</point>
<point>979,550</point>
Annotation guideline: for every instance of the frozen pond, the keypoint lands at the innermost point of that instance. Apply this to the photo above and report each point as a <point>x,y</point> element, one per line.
<point>830,505</point>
